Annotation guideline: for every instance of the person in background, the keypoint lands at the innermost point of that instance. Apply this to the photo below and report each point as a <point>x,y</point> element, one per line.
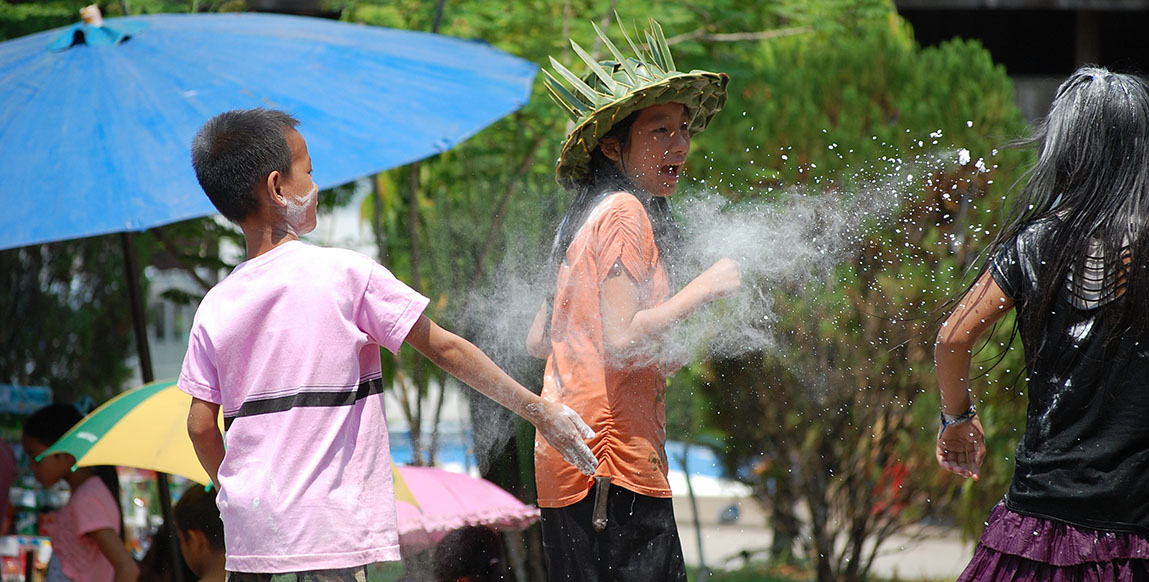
<point>200,531</point>
<point>1073,262</point>
<point>7,479</point>
<point>604,330</point>
<point>470,554</point>
<point>156,565</point>
<point>86,534</point>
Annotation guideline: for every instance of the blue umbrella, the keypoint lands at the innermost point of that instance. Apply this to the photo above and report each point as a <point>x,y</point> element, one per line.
<point>96,122</point>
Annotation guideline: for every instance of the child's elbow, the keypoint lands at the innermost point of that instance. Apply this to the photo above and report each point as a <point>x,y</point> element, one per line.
<point>949,342</point>
<point>624,353</point>
<point>201,428</point>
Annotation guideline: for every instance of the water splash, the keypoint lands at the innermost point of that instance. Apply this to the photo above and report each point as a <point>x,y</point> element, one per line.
<point>782,239</point>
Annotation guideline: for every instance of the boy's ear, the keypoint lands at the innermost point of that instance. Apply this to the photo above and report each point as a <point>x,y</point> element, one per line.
<point>272,183</point>
<point>611,148</point>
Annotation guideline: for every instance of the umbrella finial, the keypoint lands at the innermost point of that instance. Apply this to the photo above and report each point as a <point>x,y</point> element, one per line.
<point>91,15</point>
<point>93,32</point>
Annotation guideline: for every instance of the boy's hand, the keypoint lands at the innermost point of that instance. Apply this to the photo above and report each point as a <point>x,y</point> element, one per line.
<point>564,430</point>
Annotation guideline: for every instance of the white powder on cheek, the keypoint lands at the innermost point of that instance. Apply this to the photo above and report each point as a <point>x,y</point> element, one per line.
<point>297,209</point>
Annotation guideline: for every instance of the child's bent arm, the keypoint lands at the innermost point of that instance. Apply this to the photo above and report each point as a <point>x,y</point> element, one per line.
<point>114,550</point>
<point>538,340</point>
<point>630,333</point>
<point>961,447</point>
<point>559,425</point>
<point>975,314</point>
<point>203,428</point>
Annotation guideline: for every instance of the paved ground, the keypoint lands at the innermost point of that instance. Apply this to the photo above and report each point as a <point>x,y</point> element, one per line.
<point>935,554</point>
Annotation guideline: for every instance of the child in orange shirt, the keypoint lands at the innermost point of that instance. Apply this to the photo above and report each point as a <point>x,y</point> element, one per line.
<point>613,306</point>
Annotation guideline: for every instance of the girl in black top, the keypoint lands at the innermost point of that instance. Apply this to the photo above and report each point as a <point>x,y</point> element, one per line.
<point>1073,262</point>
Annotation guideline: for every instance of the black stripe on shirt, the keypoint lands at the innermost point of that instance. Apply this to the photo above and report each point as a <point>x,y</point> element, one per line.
<point>311,398</point>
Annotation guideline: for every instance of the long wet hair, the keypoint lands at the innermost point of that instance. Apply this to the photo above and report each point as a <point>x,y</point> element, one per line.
<point>604,177</point>
<point>1090,190</point>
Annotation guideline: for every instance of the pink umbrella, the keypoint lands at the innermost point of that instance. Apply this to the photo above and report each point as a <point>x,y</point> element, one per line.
<point>447,501</point>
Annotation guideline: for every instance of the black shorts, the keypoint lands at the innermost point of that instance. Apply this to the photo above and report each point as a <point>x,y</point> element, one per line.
<point>640,542</point>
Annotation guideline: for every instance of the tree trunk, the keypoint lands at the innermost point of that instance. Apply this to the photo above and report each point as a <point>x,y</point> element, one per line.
<point>785,522</point>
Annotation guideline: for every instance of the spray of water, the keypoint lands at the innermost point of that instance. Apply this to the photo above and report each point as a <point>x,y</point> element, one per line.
<point>784,240</point>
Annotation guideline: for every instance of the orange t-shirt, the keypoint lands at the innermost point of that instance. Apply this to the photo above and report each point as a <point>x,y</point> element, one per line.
<point>626,407</point>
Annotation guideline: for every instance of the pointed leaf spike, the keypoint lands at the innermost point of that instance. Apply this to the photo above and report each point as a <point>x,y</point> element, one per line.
<point>596,68</point>
<point>561,95</point>
<point>655,63</point>
<point>660,38</point>
<point>554,91</point>
<point>633,47</point>
<point>631,71</point>
<point>576,83</point>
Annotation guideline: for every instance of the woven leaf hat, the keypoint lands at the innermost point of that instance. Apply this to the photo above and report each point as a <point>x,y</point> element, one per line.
<point>614,89</point>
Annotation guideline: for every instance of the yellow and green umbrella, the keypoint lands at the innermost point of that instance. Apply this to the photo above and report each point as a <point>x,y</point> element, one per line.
<point>145,428</point>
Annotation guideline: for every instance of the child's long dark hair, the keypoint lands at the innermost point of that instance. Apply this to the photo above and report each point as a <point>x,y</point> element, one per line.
<point>605,177</point>
<point>1090,185</point>
<point>50,423</point>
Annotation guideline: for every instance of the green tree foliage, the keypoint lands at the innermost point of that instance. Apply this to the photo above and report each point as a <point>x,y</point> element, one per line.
<point>65,318</point>
<point>503,178</point>
<point>841,416</point>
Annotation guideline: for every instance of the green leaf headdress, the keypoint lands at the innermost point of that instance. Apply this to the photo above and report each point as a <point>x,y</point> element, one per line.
<point>614,89</point>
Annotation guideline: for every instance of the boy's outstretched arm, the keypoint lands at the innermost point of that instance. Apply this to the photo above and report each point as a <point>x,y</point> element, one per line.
<point>559,425</point>
<point>203,428</point>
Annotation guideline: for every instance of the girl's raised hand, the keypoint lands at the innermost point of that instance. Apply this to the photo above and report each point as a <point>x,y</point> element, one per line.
<point>961,448</point>
<point>721,279</point>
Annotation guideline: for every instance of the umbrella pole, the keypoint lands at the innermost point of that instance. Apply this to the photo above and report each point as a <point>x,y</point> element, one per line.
<point>148,375</point>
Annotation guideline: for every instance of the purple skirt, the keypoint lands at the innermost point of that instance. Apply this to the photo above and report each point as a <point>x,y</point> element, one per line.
<point>1020,547</point>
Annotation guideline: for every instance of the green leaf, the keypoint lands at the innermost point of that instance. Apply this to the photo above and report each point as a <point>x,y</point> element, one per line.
<point>596,68</point>
<point>631,71</point>
<point>576,83</point>
<point>659,44</point>
<point>564,97</point>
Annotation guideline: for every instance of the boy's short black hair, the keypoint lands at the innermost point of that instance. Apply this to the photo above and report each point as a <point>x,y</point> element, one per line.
<point>237,149</point>
<point>196,511</point>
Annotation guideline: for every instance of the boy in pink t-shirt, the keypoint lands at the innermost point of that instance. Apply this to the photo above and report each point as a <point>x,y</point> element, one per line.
<point>288,346</point>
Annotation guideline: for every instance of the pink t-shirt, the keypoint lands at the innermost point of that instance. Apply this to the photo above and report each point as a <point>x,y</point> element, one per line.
<point>288,345</point>
<point>90,508</point>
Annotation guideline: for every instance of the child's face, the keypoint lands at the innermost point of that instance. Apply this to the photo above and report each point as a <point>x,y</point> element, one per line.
<point>52,468</point>
<point>190,550</point>
<point>298,188</point>
<point>657,147</point>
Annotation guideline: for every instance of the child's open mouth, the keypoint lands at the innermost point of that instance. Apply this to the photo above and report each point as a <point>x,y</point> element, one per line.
<point>670,171</point>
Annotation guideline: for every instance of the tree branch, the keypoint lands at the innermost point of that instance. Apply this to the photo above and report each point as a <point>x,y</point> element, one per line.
<point>178,257</point>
